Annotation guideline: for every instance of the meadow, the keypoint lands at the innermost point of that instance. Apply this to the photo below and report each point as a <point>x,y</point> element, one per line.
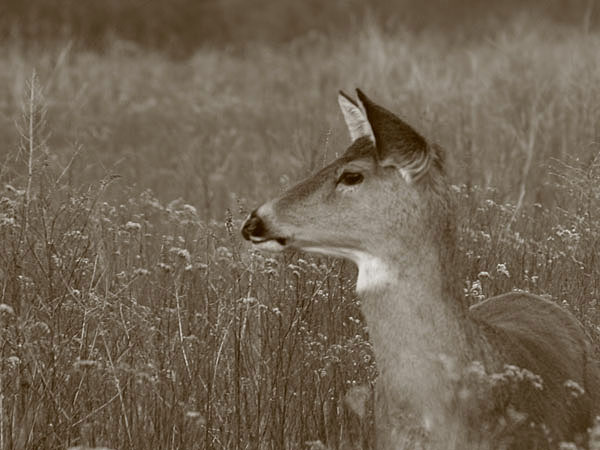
<point>133,315</point>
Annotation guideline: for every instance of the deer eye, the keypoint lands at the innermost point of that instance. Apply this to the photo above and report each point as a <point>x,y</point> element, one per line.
<point>350,178</point>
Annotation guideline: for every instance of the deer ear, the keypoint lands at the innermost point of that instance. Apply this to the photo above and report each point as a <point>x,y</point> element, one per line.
<point>356,120</point>
<point>397,143</point>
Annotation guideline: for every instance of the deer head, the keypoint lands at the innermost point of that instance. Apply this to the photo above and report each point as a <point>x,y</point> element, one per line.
<point>374,204</point>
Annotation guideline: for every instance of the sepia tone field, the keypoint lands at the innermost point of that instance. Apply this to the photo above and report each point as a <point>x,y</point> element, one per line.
<point>132,315</point>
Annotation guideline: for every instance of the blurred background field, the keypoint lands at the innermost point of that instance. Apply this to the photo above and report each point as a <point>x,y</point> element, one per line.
<point>134,138</point>
<point>181,26</point>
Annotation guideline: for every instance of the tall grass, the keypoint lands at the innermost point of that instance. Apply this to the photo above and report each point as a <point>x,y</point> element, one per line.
<point>132,314</point>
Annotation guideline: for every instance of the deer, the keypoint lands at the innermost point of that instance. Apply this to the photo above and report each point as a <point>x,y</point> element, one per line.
<point>515,371</point>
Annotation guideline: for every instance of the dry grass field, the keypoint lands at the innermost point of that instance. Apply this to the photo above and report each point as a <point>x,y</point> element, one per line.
<point>132,314</point>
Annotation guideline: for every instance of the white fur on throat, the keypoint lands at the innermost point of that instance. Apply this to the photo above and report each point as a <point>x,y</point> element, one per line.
<point>373,273</point>
<point>270,245</point>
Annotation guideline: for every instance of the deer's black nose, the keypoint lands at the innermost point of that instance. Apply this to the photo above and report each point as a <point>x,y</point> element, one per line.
<point>254,226</point>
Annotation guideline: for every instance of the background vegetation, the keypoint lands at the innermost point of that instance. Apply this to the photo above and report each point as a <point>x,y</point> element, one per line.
<point>134,138</point>
<point>180,26</point>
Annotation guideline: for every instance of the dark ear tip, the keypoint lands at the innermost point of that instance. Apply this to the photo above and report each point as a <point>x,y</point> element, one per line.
<point>361,95</point>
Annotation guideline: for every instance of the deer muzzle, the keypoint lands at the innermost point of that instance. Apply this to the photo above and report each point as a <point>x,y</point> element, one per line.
<point>256,231</point>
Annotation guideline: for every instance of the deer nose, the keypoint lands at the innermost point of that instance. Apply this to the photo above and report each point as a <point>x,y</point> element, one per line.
<point>254,226</point>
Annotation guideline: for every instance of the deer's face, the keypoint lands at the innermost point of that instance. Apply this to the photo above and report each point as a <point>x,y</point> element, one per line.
<point>363,204</point>
<point>342,210</point>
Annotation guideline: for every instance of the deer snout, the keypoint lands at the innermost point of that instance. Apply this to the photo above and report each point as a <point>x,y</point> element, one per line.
<point>261,235</point>
<point>253,227</point>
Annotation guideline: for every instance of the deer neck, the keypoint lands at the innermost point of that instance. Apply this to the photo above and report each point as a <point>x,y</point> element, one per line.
<point>416,326</point>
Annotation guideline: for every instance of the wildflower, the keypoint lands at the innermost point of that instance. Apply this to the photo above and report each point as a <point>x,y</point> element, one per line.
<point>248,300</point>
<point>284,180</point>
<point>518,374</point>
<point>574,388</point>
<point>13,360</point>
<point>316,445</point>
<point>4,308</point>
<point>164,267</point>
<point>195,415</point>
<point>223,253</point>
<point>14,190</point>
<point>501,268</point>
<point>7,221</point>
<point>476,369</point>
<point>475,290</point>
<point>568,446</point>
<point>190,209</point>
<point>132,226</point>
<point>84,363</point>
<point>182,253</point>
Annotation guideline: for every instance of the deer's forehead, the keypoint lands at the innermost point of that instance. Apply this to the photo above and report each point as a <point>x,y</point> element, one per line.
<point>360,153</point>
<point>325,176</point>
<point>306,187</point>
